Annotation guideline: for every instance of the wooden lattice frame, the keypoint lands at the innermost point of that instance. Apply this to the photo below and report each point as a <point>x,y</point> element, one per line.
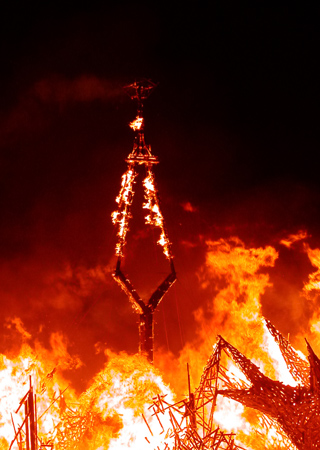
<point>293,411</point>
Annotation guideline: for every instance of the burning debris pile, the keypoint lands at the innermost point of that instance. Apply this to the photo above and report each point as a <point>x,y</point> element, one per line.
<point>191,421</point>
<point>293,413</point>
<point>32,396</point>
<point>26,436</point>
<point>110,414</point>
<point>128,405</point>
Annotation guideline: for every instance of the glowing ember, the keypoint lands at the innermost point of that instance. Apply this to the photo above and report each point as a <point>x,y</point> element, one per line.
<point>137,123</point>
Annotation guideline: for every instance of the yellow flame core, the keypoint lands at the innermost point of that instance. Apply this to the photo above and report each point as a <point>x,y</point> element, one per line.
<point>109,414</point>
<point>124,200</point>
<point>112,413</point>
<point>137,123</point>
<point>47,384</point>
<point>292,238</point>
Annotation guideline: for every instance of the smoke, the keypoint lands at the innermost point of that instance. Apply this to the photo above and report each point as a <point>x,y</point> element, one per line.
<point>187,206</point>
<point>32,112</point>
<point>43,301</point>
<point>85,88</point>
<point>55,225</point>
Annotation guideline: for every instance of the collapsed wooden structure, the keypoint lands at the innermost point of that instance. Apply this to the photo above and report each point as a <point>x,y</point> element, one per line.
<point>191,427</point>
<point>75,426</point>
<point>294,412</point>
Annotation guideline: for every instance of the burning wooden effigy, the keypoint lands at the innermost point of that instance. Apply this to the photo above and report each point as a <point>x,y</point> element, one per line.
<point>141,156</point>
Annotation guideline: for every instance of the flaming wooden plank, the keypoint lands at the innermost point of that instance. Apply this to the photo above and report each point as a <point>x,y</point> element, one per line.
<point>191,419</point>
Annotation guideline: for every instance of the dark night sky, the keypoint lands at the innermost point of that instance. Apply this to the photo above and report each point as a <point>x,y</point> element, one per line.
<point>234,121</point>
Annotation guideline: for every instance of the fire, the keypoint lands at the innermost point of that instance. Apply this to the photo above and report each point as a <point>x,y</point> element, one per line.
<point>16,375</point>
<point>281,370</point>
<point>128,403</point>
<point>311,291</point>
<point>237,305</point>
<point>292,238</point>
<point>240,276</point>
<point>314,278</point>
<point>136,124</point>
<point>229,416</point>
<point>154,216</point>
<point>114,411</point>
<point>124,200</point>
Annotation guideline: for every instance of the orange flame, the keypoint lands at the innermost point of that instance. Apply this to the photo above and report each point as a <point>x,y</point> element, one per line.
<point>124,200</point>
<point>155,216</point>
<point>292,238</point>
<point>114,411</point>
<point>122,216</point>
<point>43,368</point>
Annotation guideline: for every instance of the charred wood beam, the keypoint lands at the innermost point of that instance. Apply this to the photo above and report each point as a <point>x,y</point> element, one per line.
<point>314,370</point>
<point>146,310</point>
